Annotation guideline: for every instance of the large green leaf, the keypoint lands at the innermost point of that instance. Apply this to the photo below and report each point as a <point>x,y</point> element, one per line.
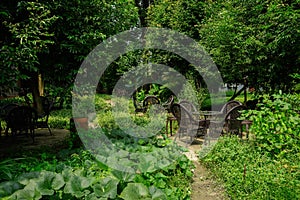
<point>29,192</point>
<point>77,186</point>
<point>107,187</point>
<point>49,181</point>
<point>135,191</point>
<point>9,187</point>
<point>26,177</point>
<point>156,193</point>
<point>123,176</point>
<point>147,163</point>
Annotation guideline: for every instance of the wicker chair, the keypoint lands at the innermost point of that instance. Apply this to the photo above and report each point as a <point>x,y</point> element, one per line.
<point>22,118</point>
<point>230,124</point>
<point>4,113</point>
<point>42,118</point>
<point>167,105</point>
<point>148,101</point>
<point>229,105</point>
<point>188,125</point>
<point>189,106</point>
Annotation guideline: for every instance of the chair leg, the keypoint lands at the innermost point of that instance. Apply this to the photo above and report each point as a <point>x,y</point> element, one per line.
<point>6,131</point>
<point>49,130</point>
<point>32,134</point>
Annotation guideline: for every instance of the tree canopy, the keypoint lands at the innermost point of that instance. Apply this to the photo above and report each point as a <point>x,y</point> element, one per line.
<point>257,39</point>
<point>52,38</point>
<point>254,39</point>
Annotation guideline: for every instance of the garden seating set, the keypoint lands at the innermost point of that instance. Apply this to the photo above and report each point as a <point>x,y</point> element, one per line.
<point>209,124</point>
<point>24,118</point>
<point>193,123</point>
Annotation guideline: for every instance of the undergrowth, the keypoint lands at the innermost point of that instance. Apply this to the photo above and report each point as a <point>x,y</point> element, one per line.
<point>268,165</point>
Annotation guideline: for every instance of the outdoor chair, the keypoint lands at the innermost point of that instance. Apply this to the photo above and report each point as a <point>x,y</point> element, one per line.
<point>189,106</point>
<point>170,118</point>
<point>148,101</point>
<point>232,121</point>
<point>138,106</point>
<point>4,113</point>
<point>229,105</point>
<point>22,119</point>
<point>230,124</point>
<point>188,125</point>
<point>167,105</point>
<point>42,118</point>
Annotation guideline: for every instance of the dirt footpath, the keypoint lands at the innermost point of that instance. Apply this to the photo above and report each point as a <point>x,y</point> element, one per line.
<point>204,187</point>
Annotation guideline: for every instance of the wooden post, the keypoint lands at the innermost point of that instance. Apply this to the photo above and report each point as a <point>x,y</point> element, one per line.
<point>40,85</point>
<point>245,89</point>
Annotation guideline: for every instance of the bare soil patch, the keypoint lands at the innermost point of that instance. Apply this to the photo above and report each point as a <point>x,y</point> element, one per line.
<point>11,146</point>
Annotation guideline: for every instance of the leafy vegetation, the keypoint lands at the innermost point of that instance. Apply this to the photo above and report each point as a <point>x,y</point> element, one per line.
<point>74,173</point>
<point>254,39</point>
<point>82,177</point>
<point>249,173</point>
<point>258,40</point>
<point>268,166</point>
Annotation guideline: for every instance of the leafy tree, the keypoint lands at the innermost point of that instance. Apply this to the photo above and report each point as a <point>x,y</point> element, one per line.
<point>184,16</point>
<point>258,39</point>
<point>82,25</point>
<point>52,38</point>
<point>29,29</point>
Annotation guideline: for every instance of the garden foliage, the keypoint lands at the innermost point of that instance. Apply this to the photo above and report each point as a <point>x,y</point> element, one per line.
<point>268,165</point>
<point>76,174</point>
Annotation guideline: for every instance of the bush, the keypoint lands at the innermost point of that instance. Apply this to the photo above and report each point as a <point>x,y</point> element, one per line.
<point>276,125</point>
<point>249,173</point>
<point>60,118</point>
<point>267,167</point>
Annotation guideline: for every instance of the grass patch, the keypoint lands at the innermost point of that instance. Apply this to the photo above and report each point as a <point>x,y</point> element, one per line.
<point>248,173</point>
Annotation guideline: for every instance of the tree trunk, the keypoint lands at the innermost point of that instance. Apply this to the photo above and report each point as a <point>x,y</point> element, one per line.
<point>35,88</point>
<point>237,93</point>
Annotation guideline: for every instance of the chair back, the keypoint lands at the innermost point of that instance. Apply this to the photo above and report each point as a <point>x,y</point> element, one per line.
<point>6,109</point>
<point>232,123</point>
<point>47,105</point>
<point>167,105</point>
<point>187,123</point>
<point>229,105</point>
<point>183,116</point>
<point>188,106</point>
<point>21,118</point>
<point>150,100</point>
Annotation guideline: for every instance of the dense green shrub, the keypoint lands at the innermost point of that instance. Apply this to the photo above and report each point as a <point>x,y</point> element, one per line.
<point>267,166</point>
<point>60,118</point>
<point>276,124</point>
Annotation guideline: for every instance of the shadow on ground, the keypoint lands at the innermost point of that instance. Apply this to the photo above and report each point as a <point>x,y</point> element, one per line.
<point>14,145</point>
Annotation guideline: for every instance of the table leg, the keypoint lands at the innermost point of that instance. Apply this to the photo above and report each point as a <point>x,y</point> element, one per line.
<point>171,121</point>
<point>167,124</point>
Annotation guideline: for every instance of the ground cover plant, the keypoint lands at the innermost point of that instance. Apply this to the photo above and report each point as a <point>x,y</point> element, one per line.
<point>268,165</point>
<point>74,173</point>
